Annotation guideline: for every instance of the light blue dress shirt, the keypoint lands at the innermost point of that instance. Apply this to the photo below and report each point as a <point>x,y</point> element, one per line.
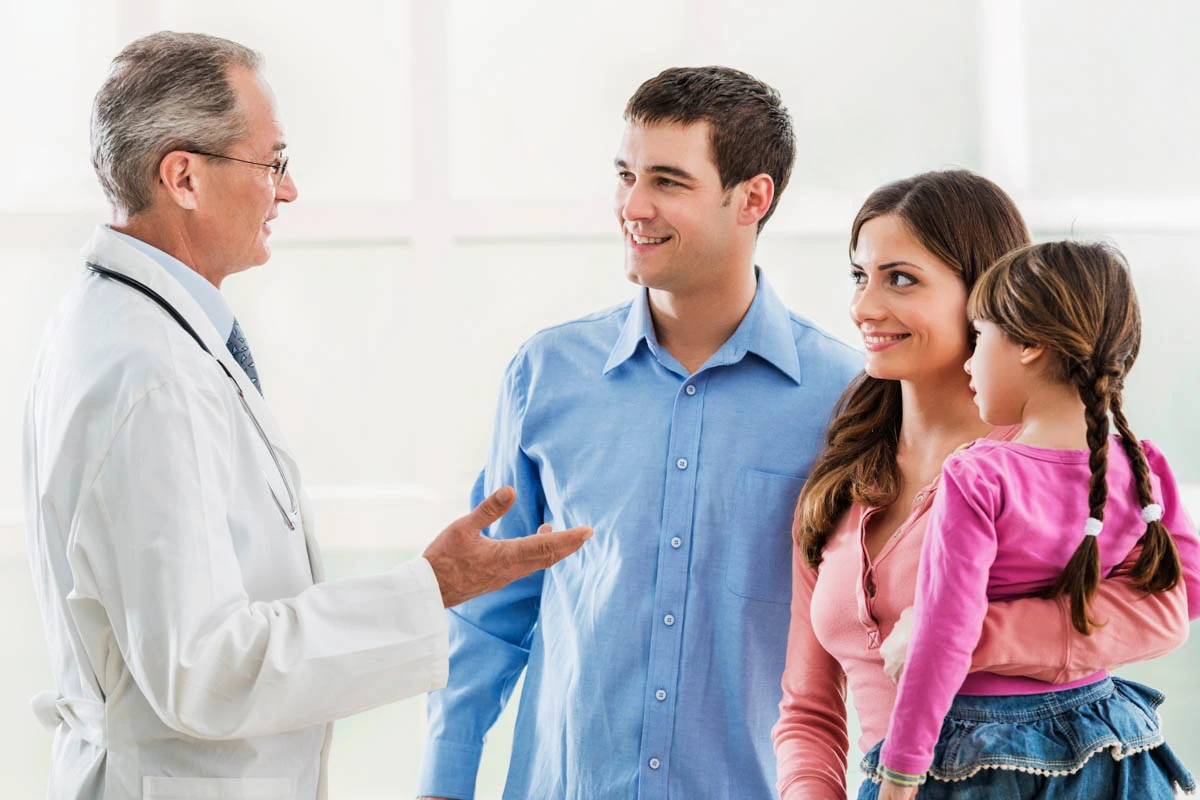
<point>207,296</point>
<point>653,656</point>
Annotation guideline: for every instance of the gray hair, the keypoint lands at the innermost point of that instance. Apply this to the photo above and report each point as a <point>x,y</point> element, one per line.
<point>164,92</point>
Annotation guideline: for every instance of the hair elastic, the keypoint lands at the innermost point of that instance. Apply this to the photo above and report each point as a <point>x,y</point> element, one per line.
<point>1152,513</point>
<point>1092,526</point>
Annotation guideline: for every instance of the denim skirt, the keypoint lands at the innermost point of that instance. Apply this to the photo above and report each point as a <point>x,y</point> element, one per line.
<point>1102,740</point>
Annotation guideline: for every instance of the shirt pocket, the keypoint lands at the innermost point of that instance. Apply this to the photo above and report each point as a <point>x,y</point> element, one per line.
<point>163,788</point>
<point>759,560</point>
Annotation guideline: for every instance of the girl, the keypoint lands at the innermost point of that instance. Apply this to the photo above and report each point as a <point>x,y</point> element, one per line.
<point>917,247</point>
<point>1049,512</point>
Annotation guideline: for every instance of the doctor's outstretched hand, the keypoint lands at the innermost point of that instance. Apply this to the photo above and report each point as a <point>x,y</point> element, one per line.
<point>468,564</point>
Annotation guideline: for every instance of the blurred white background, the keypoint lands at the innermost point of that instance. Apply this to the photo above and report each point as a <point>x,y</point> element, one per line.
<point>454,166</point>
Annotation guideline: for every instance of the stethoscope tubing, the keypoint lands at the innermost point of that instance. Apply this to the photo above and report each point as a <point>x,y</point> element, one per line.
<point>143,289</point>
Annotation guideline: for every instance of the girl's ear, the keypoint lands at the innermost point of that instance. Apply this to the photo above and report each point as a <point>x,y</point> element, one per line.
<point>1030,355</point>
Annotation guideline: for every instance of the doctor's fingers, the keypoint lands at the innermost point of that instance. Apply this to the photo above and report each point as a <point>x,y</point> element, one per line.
<point>491,509</point>
<point>531,553</point>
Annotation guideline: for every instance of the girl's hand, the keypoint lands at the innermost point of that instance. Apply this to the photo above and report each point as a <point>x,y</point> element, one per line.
<point>894,791</point>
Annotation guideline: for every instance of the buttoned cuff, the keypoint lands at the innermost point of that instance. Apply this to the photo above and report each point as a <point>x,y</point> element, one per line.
<point>449,769</point>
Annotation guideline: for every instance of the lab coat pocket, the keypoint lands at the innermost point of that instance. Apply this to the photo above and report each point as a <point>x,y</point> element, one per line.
<point>759,561</point>
<point>162,788</point>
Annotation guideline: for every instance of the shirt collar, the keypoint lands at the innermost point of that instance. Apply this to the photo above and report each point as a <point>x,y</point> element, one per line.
<point>207,296</point>
<point>638,326</point>
<point>766,331</point>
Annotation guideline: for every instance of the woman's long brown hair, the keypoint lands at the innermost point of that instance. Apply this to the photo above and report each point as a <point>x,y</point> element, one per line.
<point>968,222</point>
<point>1077,301</point>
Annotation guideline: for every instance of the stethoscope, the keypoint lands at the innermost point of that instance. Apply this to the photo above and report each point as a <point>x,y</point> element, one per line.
<point>142,288</point>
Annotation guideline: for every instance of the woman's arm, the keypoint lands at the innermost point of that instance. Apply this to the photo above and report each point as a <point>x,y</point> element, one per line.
<point>811,742</point>
<point>1139,627</point>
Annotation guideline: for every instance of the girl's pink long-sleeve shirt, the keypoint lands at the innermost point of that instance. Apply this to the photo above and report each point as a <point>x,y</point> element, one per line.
<point>1007,519</point>
<point>841,612</point>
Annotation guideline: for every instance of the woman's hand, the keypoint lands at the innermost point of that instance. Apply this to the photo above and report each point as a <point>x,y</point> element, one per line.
<point>894,791</point>
<point>894,649</point>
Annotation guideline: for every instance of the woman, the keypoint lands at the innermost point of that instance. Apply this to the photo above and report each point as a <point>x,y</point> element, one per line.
<point>917,247</point>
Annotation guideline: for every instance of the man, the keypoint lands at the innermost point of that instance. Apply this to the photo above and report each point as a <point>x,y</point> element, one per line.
<point>195,652</point>
<point>681,425</point>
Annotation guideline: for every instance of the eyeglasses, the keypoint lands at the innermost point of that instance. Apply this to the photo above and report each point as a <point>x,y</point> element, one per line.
<point>278,167</point>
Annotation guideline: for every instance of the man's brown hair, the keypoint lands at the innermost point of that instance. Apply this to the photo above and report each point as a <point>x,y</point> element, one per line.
<point>751,130</point>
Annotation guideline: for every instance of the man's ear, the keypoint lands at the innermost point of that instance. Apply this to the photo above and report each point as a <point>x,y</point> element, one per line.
<point>177,176</point>
<point>755,197</point>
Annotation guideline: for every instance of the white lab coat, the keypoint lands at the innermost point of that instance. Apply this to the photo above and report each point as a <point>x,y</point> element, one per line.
<point>195,651</point>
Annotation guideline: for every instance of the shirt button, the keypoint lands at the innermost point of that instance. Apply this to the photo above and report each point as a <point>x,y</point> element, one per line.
<point>655,763</point>
<point>676,542</point>
<point>690,389</point>
<point>668,620</point>
<point>920,498</point>
<point>681,463</point>
<point>660,695</point>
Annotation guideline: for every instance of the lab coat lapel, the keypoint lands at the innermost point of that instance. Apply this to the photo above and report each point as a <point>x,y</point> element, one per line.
<point>315,563</point>
<point>106,250</point>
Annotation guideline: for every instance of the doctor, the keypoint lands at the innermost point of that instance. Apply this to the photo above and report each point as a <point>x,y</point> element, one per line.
<point>195,651</point>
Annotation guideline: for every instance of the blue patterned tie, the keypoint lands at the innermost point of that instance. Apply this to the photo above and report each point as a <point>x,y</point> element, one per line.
<point>241,353</point>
